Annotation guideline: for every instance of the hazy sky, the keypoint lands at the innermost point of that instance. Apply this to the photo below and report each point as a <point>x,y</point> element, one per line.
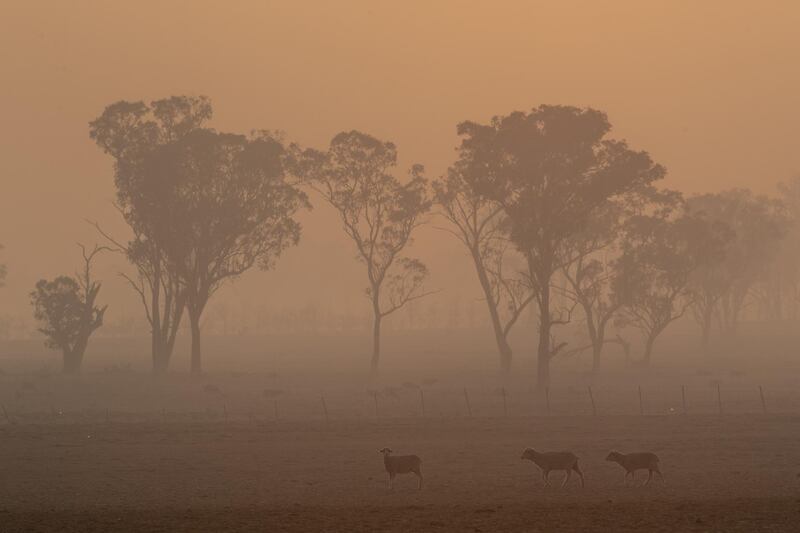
<point>710,89</point>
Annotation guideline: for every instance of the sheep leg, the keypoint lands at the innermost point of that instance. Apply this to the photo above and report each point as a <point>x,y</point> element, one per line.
<point>578,470</point>
<point>419,475</point>
<point>391,481</point>
<point>649,478</point>
<point>546,477</point>
<point>625,479</point>
<point>566,478</point>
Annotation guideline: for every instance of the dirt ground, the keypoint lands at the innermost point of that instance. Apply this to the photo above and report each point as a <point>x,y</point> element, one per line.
<point>728,473</point>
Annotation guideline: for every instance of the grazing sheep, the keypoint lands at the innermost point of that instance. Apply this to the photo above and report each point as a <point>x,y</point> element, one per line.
<point>401,464</point>
<point>548,461</point>
<point>632,462</point>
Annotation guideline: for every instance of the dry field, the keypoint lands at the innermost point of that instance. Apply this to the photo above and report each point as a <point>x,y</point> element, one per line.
<point>729,473</point>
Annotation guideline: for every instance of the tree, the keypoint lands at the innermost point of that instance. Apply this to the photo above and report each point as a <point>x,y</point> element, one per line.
<point>378,213</point>
<point>477,222</point>
<point>660,256</point>
<point>128,132</point>
<point>755,225</point>
<point>595,274</point>
<point>66,309</point>
<point>217,204</point>
<point>550,169</point>
<point>783,289</point>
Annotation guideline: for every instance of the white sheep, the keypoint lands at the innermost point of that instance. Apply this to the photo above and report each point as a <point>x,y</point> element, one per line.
<point>549,461</point>
<point>632,462</point>
<point>401,464</point>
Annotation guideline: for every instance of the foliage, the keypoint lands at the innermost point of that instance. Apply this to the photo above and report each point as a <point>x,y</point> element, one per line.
<point>378,213</point>
<point>550,169</point>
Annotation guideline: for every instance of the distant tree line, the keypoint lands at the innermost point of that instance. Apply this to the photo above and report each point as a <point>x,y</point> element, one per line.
<point>555,215</point>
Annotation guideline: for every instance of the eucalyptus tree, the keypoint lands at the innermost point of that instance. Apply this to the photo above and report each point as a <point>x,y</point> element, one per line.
<point>550,169</point>
<point>478,222</point>
<point>756,225</point>
<point>129,132</point>
<point>660,257</point>
<point>67,312</point>
<point>379,214</point>
<point>218,204</point>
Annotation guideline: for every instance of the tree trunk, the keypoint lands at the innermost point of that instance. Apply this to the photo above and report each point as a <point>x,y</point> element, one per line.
<point>648,349</point>
<point>160,355</point>
<point>596,335</point>
<point>503,348</point>
<point>376,343</point>
<point>157,347</point>
<point>194,320</point>
<point>597,350</point>
<point>505,355</point>
<point>545,348</point>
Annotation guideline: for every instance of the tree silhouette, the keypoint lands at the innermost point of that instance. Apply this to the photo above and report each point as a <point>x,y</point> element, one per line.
<point>66,309</point>
<point>128,132</point>
<point>217,205</point>
<point>378,213</point>
<point>660,256</point>
<point>782,281</point>
<point>595,275</point>
<point>757,226</point>
<point>478,223</point>
<point>550,169</point>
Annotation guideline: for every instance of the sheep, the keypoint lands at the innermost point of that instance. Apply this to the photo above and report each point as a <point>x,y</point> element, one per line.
<point>548,461</point>
<point>401,464</point>
<point>632,462</point>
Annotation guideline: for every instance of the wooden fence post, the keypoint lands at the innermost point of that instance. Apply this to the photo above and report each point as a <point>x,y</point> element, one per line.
<point>466,399</point>
<point>763,402</point>
<point>719,399</point>
<point>547,398</point>
<point>325,408</point>
<point>505,405</point>
<point>591,397</point>
<point>683,399</point>
<point>641,403</point>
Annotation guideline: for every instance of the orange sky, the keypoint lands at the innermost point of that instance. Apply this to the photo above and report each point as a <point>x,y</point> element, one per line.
<point>711,89</point>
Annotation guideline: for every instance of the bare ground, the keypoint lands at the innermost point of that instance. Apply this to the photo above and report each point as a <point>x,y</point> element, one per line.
<point>729,473</point>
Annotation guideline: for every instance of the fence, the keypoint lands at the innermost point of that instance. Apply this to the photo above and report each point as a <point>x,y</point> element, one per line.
<point>420,402</point>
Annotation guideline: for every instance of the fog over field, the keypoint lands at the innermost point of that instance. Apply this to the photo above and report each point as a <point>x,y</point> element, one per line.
<point>359,266</point>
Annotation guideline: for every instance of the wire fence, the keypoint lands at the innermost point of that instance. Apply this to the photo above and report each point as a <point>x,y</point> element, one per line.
<point>394,403</point>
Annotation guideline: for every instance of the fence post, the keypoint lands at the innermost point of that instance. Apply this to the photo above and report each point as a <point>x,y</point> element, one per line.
<point>505,406</point>
<point>719,399</point>
<point>422,401</point>
<point>591,397</point>
<point>763,402</point>
<point>324,408</point>
<point>466,399</point>
<point>375,398</point>
<point>641,403</point>
<point>547,398</point>
<point>683,399</point>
